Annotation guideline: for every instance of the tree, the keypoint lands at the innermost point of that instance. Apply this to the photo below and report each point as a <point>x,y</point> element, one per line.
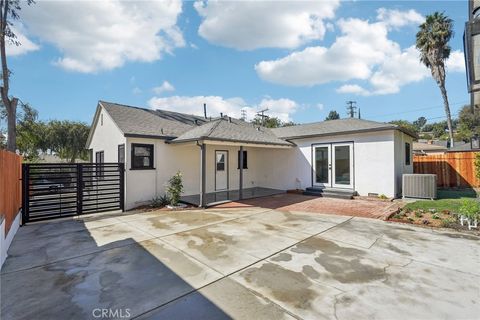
<point>468,124</point>
<point>420,123</point>
<point>9,12</point>
<point>405,124</point>
<point>432,42</point>
<point>332,115</point>
<point>31,134</point>
<point>67,139</point>
<point>271,122</point>
<point>439,128</point>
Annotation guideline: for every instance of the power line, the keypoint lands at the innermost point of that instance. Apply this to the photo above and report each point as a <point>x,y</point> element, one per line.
<point>416,110</point>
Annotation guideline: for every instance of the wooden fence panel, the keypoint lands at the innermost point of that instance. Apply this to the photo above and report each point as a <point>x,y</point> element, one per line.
<point>453,169</point>
<point>10,186</point>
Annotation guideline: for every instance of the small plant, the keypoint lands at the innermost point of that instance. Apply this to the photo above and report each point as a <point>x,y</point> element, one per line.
<point>418,214</point>
<point>470,209</point>
<point>435,216</point>
<point>446,212</point>
<point>398,215</point>
<point>160,201</point>
<point>446,223</point>
<point>383,197</point>
<point>410,219</point>
<point>175,188</point>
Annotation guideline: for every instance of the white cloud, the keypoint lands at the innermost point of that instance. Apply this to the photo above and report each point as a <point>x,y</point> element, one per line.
<point>26,45</point>
<point>398,18</point>
<point>281,108</point>
<point>363,52</point>
<point>248,25</point>
<point>164,87</point>
<point>456,62</point>
<point>352,56</point>
<point>103,35</point>
<point>320,106</point>
<point>353,89</point>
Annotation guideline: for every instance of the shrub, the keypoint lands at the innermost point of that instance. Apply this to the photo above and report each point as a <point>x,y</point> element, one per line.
<point>175,188</point>
<point>160,201</point>
<point>477,164</point>
<point>446,223</point>
<point>470,209</point>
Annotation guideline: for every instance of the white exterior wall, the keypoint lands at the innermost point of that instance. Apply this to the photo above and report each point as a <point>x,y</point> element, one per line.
<point>400,165</point>
<point>106,138</point>
<point>379,162</point>
<point>143,185</point>
<point>374,163</point>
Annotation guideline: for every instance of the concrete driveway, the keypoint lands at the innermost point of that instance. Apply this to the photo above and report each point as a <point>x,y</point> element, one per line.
<point>239,263</point>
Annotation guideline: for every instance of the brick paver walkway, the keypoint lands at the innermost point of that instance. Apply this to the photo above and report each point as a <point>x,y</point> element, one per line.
<point>297,202</point>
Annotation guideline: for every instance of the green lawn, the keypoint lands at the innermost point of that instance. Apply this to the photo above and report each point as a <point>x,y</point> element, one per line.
<point>447,200</point>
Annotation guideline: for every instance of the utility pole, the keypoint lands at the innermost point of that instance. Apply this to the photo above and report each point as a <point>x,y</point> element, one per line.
<point>351,108</point>
<point>262,115</point>
<point>243,115</point>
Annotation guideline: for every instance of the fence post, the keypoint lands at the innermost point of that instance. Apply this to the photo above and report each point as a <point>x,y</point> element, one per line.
<point>25,195</point>
<point>79,188</point>
<point>121,169</point>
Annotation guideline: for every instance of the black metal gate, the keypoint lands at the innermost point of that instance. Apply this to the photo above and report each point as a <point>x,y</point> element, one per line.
<point>57,190</point>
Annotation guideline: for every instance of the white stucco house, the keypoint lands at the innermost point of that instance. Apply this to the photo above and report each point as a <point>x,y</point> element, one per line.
<point>330,158</point>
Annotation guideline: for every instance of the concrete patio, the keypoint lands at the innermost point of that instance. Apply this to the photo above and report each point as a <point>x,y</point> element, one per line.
<point>250,262</point>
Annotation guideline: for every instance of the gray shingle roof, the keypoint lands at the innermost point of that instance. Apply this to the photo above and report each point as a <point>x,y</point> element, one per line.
<point>334,127</point>
<point>159,123</point>
<point>233,130</point>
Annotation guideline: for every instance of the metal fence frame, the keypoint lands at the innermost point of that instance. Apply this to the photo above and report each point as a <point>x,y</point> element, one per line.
<point>57,190</point>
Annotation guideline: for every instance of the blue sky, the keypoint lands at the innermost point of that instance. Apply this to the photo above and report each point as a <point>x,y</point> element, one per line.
<point>300,60</point>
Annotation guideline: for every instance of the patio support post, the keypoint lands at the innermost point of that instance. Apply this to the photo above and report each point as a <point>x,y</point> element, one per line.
<point>240,163</point>
<point>203,200</point>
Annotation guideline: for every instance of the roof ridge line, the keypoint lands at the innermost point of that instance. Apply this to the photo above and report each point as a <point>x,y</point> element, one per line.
<point>213,127</point>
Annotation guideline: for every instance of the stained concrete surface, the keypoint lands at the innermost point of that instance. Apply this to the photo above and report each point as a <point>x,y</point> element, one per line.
<point>239,263</point>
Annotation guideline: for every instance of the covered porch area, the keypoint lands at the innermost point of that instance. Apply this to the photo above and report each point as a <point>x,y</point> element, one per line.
<point>215,198</point>
<point>234,161</point>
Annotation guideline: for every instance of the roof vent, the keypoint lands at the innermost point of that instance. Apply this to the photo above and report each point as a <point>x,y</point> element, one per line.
<point>221,114</point>
<point>196,122</point>
<point>230,119</point>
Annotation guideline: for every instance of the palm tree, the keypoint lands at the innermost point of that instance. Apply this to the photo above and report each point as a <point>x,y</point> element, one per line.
<point>432,42</point>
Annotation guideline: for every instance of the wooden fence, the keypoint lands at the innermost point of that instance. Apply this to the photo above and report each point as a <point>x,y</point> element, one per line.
<point>453,169</point>
<point>10,186</point>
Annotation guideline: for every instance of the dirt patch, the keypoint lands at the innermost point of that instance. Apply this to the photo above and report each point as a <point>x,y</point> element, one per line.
<point>285,285</point>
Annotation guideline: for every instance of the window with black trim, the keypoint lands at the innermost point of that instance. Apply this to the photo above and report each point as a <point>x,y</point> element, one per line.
<point>142,156</point>
<point>121,153</point>
<point>407,154</point>
<point>245,162</point>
